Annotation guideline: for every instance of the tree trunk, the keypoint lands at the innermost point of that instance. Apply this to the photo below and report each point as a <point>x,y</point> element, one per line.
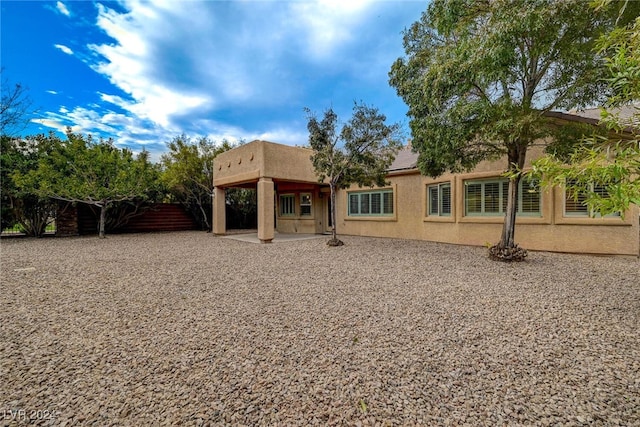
<point>334,234</point>
<point>507,249</point>
<point>204,215</point>
<point>103,219</point>
<point>507,240</point>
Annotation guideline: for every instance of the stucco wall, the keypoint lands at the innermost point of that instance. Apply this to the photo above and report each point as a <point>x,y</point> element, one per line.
<point>552,231</point>
<point>288,163</point>
<point>297,223</point>
<point>258,159</point>
<point>291,170</point>
<point>240,165</point>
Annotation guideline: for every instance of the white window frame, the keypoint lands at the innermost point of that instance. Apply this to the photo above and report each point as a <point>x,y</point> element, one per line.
<point>503,187</point>
<point>365,203</point>
<point>304,204</point>
<point>287,204</point>
<point>439,205</point>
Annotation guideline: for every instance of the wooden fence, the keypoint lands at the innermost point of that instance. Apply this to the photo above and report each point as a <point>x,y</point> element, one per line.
<point>82,219</point>
<point>159,217</point>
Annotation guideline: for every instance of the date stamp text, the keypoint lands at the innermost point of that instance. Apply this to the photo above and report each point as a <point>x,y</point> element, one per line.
<point>18,414</point>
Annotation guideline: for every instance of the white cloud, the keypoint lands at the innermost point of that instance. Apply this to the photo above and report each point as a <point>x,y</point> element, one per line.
<point>229,53</point>
<point>226,70</point>
<point>327,24</point>
<point>281,134</point>
<point>156,103</point>
<point>137,134</point>
<point>53,124</point>
<point>63,48</point>
<point>284,136</point>
<point>125,130</point>
<point>52,92</point>
<point>131,66</point>
<point>62,8</point>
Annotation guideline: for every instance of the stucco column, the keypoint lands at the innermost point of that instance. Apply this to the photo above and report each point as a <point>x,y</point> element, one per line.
<point>266,226</point>
<point>219,215</point>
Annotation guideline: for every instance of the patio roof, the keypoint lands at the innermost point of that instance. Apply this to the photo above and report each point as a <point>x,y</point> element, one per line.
<point>263,159</point>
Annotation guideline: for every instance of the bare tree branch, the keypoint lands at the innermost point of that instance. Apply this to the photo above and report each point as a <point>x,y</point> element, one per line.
<point>15,107</point>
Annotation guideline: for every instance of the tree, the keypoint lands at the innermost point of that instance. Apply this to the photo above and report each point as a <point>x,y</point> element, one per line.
<point>188,174</point>
<point>360,154</point>
<point>480,76</point>
<point>611,161</point>
<point>15,106</point>
<point>95,173</point>
<point>7,191</point>
<point>19,205</point>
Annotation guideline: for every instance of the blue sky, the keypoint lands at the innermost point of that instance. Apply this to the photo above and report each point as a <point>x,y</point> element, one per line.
<point>144,72</point>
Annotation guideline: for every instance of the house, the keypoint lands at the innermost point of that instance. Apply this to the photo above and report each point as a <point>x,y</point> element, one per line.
<point>463,208</point>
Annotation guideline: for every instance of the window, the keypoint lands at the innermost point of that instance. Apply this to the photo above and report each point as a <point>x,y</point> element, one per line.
<point>575,205</point>
<point>529,197</point>
<point>489,197</point>
<point>371,203</point>
<point>305,204</point>
<point>287,205</point>
<point>439,199</point>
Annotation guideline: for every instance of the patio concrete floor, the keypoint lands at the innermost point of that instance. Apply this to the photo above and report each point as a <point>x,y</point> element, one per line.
<point>278,237</point>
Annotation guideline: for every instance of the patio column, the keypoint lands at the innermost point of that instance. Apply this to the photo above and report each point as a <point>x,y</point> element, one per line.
<point>219,216</point>
<point>266,225</point>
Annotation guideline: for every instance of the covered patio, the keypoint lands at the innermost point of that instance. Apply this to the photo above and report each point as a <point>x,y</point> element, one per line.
<point>290,197</point>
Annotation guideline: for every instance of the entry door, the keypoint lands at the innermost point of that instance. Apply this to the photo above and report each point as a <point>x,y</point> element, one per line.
<point>326,201</point>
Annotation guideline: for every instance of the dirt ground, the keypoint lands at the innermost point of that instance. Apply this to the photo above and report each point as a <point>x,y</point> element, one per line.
<point>191,329</point>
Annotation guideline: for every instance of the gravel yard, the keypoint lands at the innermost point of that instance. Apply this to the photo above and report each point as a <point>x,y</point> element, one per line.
<point>186,328</point>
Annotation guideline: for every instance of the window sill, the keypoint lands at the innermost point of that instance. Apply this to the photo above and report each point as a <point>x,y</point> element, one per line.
<point>372,218</point>
<point>577,220</point>
<point>292,217</point>
<point>500,220</point>
<point>433,218</point>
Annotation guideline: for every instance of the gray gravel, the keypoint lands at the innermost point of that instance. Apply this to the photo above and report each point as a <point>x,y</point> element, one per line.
<point>186,328</point>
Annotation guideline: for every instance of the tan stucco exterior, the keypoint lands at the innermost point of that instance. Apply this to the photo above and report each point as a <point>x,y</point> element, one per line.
<point>552,231</point>
<point>290,172</point>
<point>273,169</point>
<point>249,162</point>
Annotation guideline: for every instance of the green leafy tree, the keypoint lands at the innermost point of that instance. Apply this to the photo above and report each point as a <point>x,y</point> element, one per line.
<point>612,160</point>
<point>9,158</point>
<point>25,207</point>
<point>360,153</point>
<point>98,174</point>
<point>188,174</point>
<point>479,77</point>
